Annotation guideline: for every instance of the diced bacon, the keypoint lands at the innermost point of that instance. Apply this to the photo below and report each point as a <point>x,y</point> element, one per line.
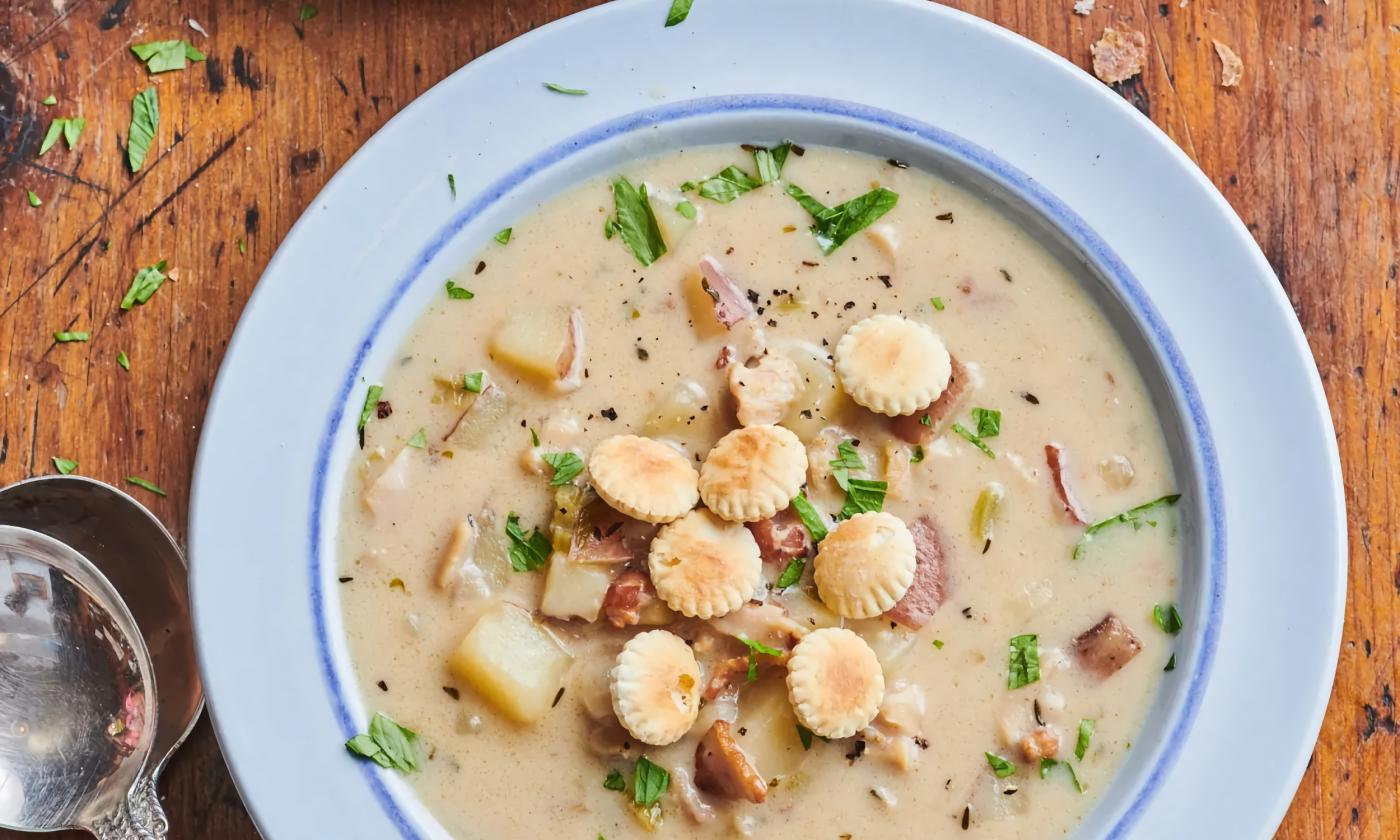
<point>1107,646</point>
<point>1041,742</point>
<point>1055,457</point>
<point>627,595</point>
<point>726,357</point>
<point>727,674</point>
<point>929,588</point>
<point>722,768</point>
<point>781,537</point>
<point>731,303</point>
<point>911,427</point>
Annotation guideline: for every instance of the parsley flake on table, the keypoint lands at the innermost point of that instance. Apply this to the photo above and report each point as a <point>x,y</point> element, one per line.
<point>64,466</point>
<point>680,9</point>
<point>34,200</point>
<point>69,128</point>
<point>145,120</point>
<point>123,361</point>
<point>144,284</point>
<point>144,484</point>
<point>388,744</point>
<point>307,12</point>
<point>65,336</point>
<point>50,100</point>
<point>163,56</point>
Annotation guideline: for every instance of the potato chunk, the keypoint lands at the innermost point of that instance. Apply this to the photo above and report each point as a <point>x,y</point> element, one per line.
<point>546,345</point>
<point>574,590</point>
<point>513,662</point>
<point>767,729</point>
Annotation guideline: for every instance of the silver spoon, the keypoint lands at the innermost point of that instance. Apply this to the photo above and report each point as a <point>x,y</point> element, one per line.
<point>77,695</point>
<point>142,560</point>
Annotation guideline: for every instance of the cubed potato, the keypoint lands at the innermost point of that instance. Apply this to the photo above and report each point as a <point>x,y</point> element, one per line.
<point>574,590</point>
<point>655,613</point>
<point>533,342</point>
<point>821,401</point>
<point>480,417</point>
<point>767,729</point>
<point>512,661</point>
<point>390,496</point>
<point>807,610</point>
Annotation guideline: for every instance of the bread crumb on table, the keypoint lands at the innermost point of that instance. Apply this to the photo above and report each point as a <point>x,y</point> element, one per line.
<point>1119,55</point>
<point>1231,67</point>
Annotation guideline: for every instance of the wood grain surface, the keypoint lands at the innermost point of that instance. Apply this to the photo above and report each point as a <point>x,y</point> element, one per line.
<point>1306,149</point>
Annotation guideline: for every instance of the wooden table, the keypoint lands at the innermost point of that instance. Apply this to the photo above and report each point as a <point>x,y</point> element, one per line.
<point>1307,149</point>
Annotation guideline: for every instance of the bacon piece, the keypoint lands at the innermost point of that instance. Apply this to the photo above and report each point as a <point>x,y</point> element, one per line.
<point>781,537</point>
<point>1041,742</point>
<point>722,768</point>
<point>726,674</point>
<point>627,595</point>
<point>1055,457</point>
<point>911,427</point>
<point>1107,646</point>
<point>731,303</point>
<point>929,588</point>
<point>726,357</point>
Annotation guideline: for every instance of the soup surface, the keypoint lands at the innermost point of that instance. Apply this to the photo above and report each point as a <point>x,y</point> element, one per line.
<point>1020,660</point>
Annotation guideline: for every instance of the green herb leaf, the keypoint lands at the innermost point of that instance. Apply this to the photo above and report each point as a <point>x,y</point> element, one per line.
<point>1136,517</point>
<point>1024,663</point>
<point>999,765</point>
<point>614,781</point>
<point>769,162</point>
<point>755,648</point>
<point>805,736</point>
<point>307,12</point>
<point>1171,664</point>
<point>1049,764</point>
<point>863,495</point>
<point>926,420</point>
<point>792,574</point>
<point>473,381</point>
<point>937,303</point>
<point>51,136</point>
<point>686,209</point>
<point>1046,765</point>
<point>419,439</point>
<point>679,10</point>
<point>1167,618</point>
<point>34,200</point>
<point>144,484</point>
<point>988,422</point>
<point>1074,777</point>
<point>564,90</point>
<point>847,459</point>
<point>163,56</point>
<point>144,284</point>
<point>636,222</point>
<point>69,128</point>
<point>123,361</point>
<point>566,466</point>
<point>388,744</point>
<point>503,235</point>
<point>145,120</point>
<point>610,227</point>
<point>649,782</point>
<point>811,518</point>
<point>832,226</point>
<point>242,247</point>
<point>64,465</point>
<point>50,100</point>
<point>527,552</point>
<point>1081,744</point>
<point>72,130</point>
<point>534,438</point>
<point>65,336</point>
<point>963,432</point>
<point>370,406</point>
<point>938,643</point>
<point>458,292</point>
<point>917,454</point>
<point>729,184</point>
<point>452,184</point>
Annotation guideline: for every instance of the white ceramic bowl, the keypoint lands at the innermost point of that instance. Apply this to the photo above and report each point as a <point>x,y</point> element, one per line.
<point>1161,251</point>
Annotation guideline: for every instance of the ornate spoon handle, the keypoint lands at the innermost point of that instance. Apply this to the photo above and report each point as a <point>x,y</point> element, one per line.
<point>141,817</point>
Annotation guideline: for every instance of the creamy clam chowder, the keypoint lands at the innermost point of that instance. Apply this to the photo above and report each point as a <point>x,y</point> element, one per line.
<point>771,492</point>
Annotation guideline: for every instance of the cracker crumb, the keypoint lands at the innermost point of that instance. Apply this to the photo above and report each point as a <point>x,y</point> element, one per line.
<point>1231,67</point>
<point>1083,7</point>
<point>1119,55</point>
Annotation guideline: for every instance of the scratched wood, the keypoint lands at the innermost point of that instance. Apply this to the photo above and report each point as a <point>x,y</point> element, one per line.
<point>1307,150</point>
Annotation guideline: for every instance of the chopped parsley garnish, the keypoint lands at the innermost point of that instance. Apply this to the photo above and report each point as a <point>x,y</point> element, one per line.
<point>1081,744</point>
<point>805,736</point>
<point>145,120</point>
<point>503,235</point>
<point>144,484</point>
<point>1171,664</point>
<point>863,495</point>
<point>307,12</point>
<point>792,574</point>
<point>769,162</point>
<point>1048,764</point>
<point>534,438</point>
<point>564,90</point>
<point>474,381</point>
<point>938,643</point>
<point>242,247</point>
<point>832,226</point>
<point>614,781</point>
<point>144,284</point>
<point>610,227</point>
<point>810,516</point>
<point>649,782</point>
<point>452,184</point>
<point>972,438</point>
<point>527,552</point>
<point>419,439</point>
<point>847,459</point>
<point>64,465</point>
<point>65,336</point>
<point>371,404</point>
<point>1000,766</point>
<point>1136,517</point>
<point>988,422</point>
<point>456,292</point>
<point>50,100</point>
<point>917,454</point>
<point>162,56</point>
<point>755,648</point>
<point>679,10</point>
<point>34,200</point>
<point>730,183</point>
<point>636,223</point>
<point>566,466</point>
<point>123,360</point>
<point>686,209</point>
<point>388,744</point>
<point>937,303</point>
<point>1167,618</point>
<point>926,420</point>
<point>69,128</point>
<point>1024,661</point>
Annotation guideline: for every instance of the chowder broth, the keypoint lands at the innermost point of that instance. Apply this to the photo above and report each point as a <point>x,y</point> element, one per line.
<point>1031,345</point>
